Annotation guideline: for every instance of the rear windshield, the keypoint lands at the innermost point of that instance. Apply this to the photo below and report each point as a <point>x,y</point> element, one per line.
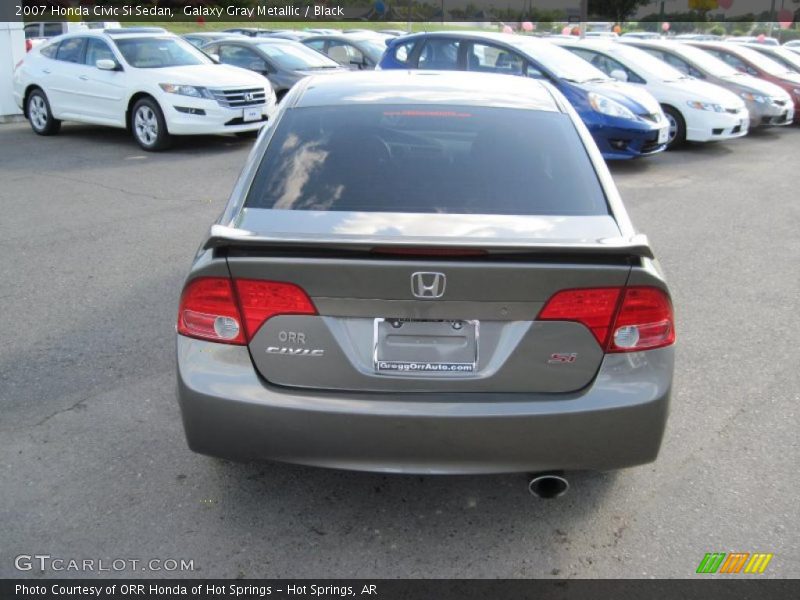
<point>294,56</point>
<point>427,159</point>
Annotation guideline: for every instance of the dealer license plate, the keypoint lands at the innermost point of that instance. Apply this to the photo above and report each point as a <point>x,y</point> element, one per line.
<point>425,347</point>
<point>252,114</point>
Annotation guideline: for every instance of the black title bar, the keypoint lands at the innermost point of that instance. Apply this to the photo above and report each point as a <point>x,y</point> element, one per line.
<point>535,11</point>
<point>701,588</point>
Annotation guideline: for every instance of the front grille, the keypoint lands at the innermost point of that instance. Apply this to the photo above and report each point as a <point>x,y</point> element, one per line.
<point>777,102</point>
<point>733,111</point>
<point>654,117</point>
<point>649,147</point>
<point>779,120</point>
<point>240,97</point>
<point>241,121</point>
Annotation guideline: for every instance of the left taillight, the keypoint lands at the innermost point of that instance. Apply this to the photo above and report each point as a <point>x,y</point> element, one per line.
<point>209,311</point>
<point>232,311</point>
<point>28,46</point>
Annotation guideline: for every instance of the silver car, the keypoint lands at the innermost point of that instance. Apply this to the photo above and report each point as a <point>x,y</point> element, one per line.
<point>426,272</point>
<point>767,103</point>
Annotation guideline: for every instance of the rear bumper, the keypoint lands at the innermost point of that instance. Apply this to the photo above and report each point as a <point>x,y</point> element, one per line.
<point>617,421</point>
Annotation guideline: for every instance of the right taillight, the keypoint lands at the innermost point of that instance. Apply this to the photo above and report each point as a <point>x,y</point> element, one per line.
<point>644,321</point>
<point>622,319</point>
<point>28,45</point>
<point>228,311</point>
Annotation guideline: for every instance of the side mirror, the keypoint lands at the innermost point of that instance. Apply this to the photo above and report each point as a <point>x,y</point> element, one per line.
<point>106,64</point>
<point>259,66</point>
<point>619,75</point>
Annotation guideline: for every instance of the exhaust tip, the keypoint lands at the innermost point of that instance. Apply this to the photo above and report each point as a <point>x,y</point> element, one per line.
<point>548,485</point>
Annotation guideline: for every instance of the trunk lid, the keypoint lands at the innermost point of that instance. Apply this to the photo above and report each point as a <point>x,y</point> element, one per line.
<point>403,310</point>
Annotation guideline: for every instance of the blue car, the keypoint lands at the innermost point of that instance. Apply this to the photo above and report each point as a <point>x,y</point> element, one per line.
<point>625,122</point>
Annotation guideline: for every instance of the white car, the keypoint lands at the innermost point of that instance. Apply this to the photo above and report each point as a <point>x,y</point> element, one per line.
<point>144,79</point>
<point>697,111</point>
<point>793,45</point>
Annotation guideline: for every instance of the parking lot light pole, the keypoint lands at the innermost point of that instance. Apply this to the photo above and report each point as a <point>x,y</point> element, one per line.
<point>584,10</point>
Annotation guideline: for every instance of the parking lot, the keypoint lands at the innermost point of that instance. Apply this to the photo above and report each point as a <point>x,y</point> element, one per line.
<point>96,238</point>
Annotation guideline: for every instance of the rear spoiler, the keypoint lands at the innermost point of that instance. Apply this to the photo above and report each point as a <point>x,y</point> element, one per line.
<point>221,236</point>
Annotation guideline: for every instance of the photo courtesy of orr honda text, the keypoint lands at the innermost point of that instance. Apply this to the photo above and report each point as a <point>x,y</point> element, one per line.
<point>399,299</point>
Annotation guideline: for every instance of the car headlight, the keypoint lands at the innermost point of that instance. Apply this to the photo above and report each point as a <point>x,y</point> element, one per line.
<point>607,106</point>
<point>705,106</point>
<point>186,90</point>
<point>756,98</point>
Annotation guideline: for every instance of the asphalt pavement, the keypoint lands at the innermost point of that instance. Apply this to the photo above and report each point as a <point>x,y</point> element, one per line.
<point>96,237</point>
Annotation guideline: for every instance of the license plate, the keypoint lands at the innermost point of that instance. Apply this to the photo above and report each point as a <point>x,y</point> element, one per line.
<point>252,114</point>
<point>425,347</point>
<point>663,135</point>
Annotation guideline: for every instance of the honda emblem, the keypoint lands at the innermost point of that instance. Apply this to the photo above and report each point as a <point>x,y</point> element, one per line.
<point>427,285</point>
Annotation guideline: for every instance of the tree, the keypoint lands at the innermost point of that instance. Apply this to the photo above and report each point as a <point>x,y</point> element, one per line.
<point>616,10</point>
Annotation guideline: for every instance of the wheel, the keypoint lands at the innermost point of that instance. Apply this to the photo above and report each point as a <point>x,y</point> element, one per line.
<point>148,126</point>
<point>40,115</point>
<point>677,128</point>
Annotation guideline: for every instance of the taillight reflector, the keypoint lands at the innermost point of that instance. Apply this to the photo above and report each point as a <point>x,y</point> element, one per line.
<point>231,312</point>
<point>621,319</point>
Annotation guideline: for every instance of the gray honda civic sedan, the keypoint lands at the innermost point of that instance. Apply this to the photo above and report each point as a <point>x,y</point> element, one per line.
<point>422,272</point>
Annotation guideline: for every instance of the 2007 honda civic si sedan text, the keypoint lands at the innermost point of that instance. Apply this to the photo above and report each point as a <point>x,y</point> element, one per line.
<point>425,272</point>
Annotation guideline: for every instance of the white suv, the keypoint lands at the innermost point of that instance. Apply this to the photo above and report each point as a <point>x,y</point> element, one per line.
<point>144,79</point>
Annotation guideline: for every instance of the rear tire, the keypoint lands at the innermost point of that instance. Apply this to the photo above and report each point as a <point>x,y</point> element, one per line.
<point>148,126</point>
<point>677,128</point>
<point>40,115</point>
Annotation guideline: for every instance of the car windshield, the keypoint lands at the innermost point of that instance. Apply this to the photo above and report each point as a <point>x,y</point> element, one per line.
<point>159,52</point>
<point>791,59</point>
<point>427,159</point>
<point>705,61</point>
<point>562,63</point>
<point>373,48</point>
<point>293,57</point>
<point>647,64</point>
<point>762,62</point>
